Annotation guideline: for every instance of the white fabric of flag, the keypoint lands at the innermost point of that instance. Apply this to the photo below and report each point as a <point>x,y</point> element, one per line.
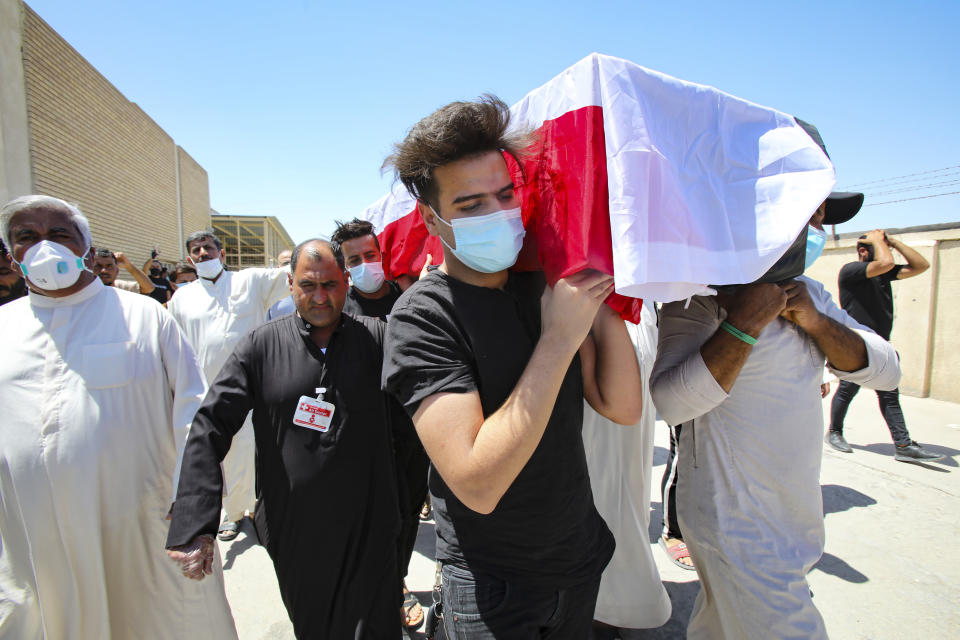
<point>705,188</point>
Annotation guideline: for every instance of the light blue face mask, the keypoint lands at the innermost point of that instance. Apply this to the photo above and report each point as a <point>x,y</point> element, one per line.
<point>367,276</point>
<point>816,241</point>
<point>489,243</point>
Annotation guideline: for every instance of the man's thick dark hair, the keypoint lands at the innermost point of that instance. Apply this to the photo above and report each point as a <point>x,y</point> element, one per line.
<point>106,253</point>
<point>201,235</point>
<point>295,256</point>
<point>865,245</point>
<point>456,131</point>
<point>183,267</point>
<point>352,230</point>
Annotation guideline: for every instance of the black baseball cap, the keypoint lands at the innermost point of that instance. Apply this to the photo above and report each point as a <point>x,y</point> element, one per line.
<point>841,205</point>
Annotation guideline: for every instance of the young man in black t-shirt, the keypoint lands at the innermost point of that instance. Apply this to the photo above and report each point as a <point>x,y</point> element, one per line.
<point>494,367</point>
<point>865,294</point>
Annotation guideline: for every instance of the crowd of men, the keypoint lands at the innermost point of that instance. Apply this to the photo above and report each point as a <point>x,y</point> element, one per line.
<point>324,402</point>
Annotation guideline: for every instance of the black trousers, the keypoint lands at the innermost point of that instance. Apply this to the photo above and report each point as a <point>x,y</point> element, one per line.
<point>889,407</point>
<point>668,488</point>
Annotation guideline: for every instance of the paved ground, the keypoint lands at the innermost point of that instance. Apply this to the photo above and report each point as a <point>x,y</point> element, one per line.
<point>891,568</point>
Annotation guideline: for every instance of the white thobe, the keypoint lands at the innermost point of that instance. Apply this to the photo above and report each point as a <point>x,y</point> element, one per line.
<point>748,499</point>
<point>620,460</point>
<point>215,316</point>
<point>98,390</point>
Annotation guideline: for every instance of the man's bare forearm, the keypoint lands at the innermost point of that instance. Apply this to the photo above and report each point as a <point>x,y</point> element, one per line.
<point>508,437</point>
<point>844,349</point>
<point>480,457</point>
<point>725,355</point>
<point>146,286</point>
<point>611,375</point>
<point>915,262</point>
<point>882,259</point>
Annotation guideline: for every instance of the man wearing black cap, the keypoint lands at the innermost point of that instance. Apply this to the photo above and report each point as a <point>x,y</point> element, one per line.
<point>741,373</point>
<point>865,294</point>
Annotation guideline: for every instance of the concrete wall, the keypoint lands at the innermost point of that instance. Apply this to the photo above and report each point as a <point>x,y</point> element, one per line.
<point>926,330</point>
<point>14,136</point>
<point>194,194</point>
<point>945,356</point>
<point>80,139</point>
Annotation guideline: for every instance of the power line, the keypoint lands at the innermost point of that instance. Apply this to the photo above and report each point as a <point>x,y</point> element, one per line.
<point>931,185</point>
<point>936,195</point>
<point>909,175</point>
<point>900,183</point>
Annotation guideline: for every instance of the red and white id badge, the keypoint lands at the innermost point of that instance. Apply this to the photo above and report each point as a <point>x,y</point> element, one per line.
<point>313,413</point>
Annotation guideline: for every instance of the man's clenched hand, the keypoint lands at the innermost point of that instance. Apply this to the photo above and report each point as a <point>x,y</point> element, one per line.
<point>569,308</point>
<point>195,557</point>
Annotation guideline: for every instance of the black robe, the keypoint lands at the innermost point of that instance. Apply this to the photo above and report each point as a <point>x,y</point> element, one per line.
<point>327,511</point>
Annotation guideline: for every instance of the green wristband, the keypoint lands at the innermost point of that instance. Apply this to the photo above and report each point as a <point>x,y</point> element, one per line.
<point>732,330</point>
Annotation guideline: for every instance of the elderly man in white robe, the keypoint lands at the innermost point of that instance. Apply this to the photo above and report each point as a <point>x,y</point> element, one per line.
<point>98,388</point>
<point>741,371</point>
<point>215,312</point>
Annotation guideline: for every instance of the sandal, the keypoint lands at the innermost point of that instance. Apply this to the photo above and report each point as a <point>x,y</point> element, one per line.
<point>228,531</point>
<point>676,553</point>
<point>411,604</point>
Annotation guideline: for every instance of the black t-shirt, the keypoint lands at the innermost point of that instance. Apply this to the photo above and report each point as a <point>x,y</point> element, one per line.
<point>869,301</point>
<point>357,305</point>
<point>161,288</point>
<point>445,335</point>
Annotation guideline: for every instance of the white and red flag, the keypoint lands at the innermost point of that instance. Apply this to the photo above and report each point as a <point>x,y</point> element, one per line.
<point>668,185</point>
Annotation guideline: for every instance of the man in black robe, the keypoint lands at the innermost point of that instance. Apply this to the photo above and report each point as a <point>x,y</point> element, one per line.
<point>327,511</point>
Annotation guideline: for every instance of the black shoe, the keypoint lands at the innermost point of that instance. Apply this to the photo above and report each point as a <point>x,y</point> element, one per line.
<point>913,452</point>
<point>836,440</point>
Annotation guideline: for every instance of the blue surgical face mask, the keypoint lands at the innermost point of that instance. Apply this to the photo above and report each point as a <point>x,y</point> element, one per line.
<point>489,243</point>
<point>367,276</point>
<point>816,241</point>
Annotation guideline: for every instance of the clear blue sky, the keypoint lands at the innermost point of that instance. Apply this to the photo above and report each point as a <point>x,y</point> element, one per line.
<point>292,106</point>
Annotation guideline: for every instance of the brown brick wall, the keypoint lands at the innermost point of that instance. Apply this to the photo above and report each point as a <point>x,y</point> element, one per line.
<point>92,146</point>
<point>194,194</point>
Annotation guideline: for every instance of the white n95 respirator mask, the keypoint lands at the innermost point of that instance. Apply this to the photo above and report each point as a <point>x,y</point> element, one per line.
<point>51,266</point>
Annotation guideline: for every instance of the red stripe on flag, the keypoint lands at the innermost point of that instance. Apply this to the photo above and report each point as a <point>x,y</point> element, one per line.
<point>405,244</point>
<point>565,205</point>
<point>566,189</point>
